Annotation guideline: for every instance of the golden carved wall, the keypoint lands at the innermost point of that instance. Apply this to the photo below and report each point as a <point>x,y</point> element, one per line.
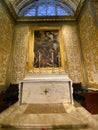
<point>6,36</point>
<point>72,48</point>
<point>20,51</point>
<point>95,9</point>
<point>71,42</point>
<point>89,43</point>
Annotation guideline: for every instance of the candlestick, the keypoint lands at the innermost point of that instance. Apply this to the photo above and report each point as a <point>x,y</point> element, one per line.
<point>59,60</point>
<point>52,62</point>
<point>39,61</point>
<point>52,57</point>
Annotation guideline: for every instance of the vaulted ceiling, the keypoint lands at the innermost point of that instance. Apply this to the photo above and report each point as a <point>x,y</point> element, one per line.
<point>74,5</point>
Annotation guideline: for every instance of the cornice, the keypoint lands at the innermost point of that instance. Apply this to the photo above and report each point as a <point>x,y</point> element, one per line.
<point>45,19</point>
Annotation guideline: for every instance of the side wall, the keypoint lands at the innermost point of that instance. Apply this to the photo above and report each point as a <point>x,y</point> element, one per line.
<point>6,36</point>
<point>88,30</point>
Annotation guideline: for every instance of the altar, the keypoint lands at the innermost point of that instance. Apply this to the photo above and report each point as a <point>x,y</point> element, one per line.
<point>45,88</point>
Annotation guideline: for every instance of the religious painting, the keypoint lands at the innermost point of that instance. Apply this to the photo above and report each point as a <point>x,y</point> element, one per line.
<point>46,49</point>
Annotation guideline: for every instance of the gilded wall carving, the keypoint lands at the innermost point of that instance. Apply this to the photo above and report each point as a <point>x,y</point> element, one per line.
<point>71,42</point>
<point>72,48</point>
<point>20,51</point>
<point>95,9</point>
<point>6,35</point>
<point>89,43</point>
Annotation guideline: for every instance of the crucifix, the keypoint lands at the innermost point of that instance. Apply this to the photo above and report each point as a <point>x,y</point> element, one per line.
<point>46,91</point>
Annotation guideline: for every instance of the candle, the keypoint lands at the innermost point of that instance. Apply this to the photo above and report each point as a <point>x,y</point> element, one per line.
<point>39,59</point>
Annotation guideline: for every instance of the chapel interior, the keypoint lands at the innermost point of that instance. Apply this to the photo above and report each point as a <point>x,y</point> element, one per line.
<point>50,45</point>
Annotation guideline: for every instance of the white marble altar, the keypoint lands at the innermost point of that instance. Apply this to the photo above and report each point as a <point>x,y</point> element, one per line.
<point>46,88</point>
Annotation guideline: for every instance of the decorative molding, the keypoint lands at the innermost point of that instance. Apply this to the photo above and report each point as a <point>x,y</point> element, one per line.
<point>9,8</point>
<point>45,19</point>
<point>80,8</point>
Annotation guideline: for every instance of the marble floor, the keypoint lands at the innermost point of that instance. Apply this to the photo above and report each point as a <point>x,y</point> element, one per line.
<point>74,118</point>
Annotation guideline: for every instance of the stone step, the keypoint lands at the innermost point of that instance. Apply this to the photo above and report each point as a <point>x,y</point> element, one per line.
<point>77,115</point>
<point>45,127</point>
<point>15,117</point>
<point>54,121</point>
<point>11,128</point>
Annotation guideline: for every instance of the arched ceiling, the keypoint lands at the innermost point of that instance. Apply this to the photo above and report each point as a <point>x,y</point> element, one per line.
<point>20,4</point>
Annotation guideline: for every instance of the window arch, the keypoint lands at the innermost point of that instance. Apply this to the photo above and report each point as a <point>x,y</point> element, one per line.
<point>46,8</point>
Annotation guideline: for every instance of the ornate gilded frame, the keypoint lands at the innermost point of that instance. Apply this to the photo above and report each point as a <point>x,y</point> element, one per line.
<point>31,53</point>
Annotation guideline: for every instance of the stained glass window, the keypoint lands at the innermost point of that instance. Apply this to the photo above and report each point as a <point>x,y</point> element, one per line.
<point>32,12</point>
<point>61,11</point>
<point>42,10</point>
<point>51,11</point>
<point>46,8</point>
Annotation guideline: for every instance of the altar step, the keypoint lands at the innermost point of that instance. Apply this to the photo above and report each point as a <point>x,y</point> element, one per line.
<point>15,117</point>
<point>60,127</point>
<point>45,122</point>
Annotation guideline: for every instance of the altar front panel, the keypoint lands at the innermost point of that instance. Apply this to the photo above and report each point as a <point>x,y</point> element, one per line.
<point>46,92</point>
